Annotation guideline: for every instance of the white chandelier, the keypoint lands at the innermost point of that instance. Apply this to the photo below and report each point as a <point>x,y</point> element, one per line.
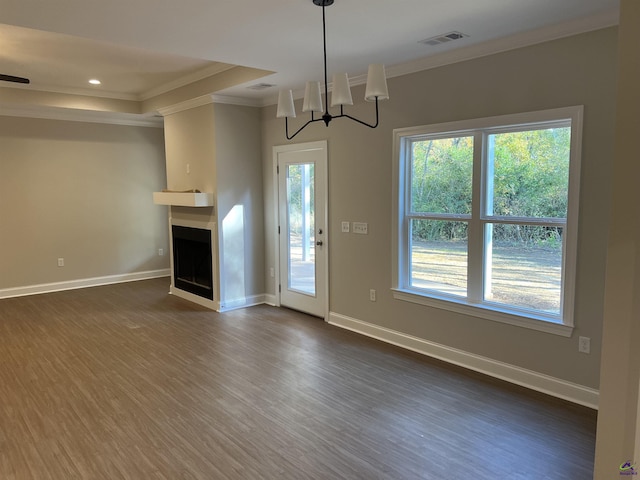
<point>340,93</point>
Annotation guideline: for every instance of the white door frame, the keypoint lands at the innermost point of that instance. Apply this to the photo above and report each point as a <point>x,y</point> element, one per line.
<point>321,144</point>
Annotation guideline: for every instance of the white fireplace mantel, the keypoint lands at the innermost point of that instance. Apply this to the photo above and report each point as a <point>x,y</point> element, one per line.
<point>183,199</point>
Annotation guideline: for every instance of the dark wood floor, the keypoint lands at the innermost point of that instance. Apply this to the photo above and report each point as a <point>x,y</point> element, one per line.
<point>127,382</point>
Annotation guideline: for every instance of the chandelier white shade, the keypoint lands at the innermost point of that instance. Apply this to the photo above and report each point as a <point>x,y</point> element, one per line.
<point>341,92</point>
<point>376,89</point>
<point>376,83</point>
<point>312,98</point>
<point>285,104</point>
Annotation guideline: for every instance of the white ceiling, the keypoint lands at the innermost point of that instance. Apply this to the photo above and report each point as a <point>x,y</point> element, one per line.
<point>137,47</point>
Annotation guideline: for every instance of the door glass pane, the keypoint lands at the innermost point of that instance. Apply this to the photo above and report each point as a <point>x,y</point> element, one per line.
<point>301,228</point>
<point>439,256</point>
<point>524,266</point>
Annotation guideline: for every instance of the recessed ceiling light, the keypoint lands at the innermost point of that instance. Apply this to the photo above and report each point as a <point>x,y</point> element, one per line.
<point>95,81</point>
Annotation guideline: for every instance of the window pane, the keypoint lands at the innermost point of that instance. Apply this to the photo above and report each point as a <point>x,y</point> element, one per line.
<point>529,173</point>
<point>439,256</point>
<point>441,173</point>
<point>524,266</point>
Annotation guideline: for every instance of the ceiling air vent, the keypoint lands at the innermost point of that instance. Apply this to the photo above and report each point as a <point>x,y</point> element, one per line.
<point>444,38</point>
<point>261,86</point>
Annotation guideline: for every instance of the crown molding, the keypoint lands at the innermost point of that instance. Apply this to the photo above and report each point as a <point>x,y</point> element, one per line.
<point>605,19</point>
<point>115,118</point>
<point>241,101</point>
<point>85,92</point>
<point>89,116</point>
<point>206,100</point>
<point>209,71</point>
<point>186,105</point>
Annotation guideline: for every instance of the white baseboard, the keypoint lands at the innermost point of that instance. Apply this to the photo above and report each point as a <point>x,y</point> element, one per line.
<point>218,306</point>
<point>270,300</point>
<point>520,376</point>
<point>82,283</point>
<point>242,302</point>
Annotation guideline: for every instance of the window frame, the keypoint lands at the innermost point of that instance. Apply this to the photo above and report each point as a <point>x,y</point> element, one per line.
<point>473,304</point>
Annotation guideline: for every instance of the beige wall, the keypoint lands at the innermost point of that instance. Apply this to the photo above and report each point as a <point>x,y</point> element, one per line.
<point>189,141</point>
<point>618,437</point>
<point>240,201</point>
<point>579,70</point>
<point>221,144</point>
<point>81,191</point>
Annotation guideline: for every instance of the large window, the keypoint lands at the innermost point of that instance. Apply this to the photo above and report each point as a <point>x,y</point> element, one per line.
<point>487,216</point>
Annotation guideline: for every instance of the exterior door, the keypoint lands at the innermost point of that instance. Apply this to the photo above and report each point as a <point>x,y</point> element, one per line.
<point>301,172</point>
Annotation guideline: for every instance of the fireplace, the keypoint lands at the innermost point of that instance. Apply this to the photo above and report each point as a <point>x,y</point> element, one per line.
<point>192,262</point>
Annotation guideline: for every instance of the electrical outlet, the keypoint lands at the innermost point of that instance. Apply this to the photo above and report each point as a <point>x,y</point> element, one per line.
<point>584,344</point>
<point>160,252</point>
<point>345,227</point>
<point>61,262</point>
<point>372,295</point>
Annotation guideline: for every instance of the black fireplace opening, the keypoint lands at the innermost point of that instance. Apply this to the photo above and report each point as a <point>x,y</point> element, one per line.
<point>192,265</point>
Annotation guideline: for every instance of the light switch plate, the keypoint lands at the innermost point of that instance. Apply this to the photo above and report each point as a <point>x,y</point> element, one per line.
<point>361,228</point>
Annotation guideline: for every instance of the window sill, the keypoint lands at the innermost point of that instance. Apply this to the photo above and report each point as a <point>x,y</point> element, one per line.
<point>488,313</point>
